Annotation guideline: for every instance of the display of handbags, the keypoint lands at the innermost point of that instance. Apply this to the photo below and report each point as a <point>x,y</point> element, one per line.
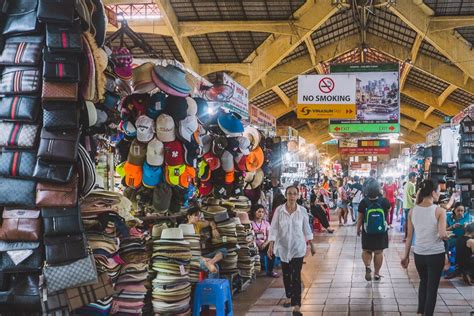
<point>55,172</point>
<point>21,17</point>
<point>17,164</point>
<point>61,221</point>
<point>66,248</point>
<point>20,108</point>
<point>20,225</point>
<point>61,146</point>
<point>57,195</point>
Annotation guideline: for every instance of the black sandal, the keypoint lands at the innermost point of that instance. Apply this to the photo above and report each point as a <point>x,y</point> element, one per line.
<point>287,303</point>
<point>368,274</point>
<point>377,277</point>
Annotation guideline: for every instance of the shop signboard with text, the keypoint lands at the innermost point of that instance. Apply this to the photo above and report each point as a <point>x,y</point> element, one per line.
<point>239,102</point>
<point>365,147</point>
<point>261,118</point>
<point>377,99</point>
<point>326,96</point>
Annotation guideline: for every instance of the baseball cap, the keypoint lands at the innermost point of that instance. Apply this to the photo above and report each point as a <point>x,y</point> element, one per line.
<point>192,106</point>
<point>187,127</point>
<point>165,128</point>
<point>174,153</point>
<point>155,153</point>
<point>161,197</point>
<point>191,152</point>
<point>205,188</point>
<point>188,177</point>
<point>152,175</point>
<point>122,59</point>
<point>133,175</point>
<point>213,162</point>
<point>227,161</point>
<point>119,169</point>
<point>155,106</point>
<point>206,143</point>
<point>204,172</point>
<point>145,129</point>
<point>244,145</point>
<point>137,153</point>
<point>176,107</point>
<point>128,128</point>
<point>255,159</point>
<point>240,161</point>
<point>173,173</point>
<point>134,105</point>
<point>219,144</point>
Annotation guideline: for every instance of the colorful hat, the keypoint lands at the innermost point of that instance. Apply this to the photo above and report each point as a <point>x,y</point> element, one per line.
<point>152,175</point>
<point>205,188</point>
<point>173,174</point>
<point>172,77</point>
<point>155,153</point>
<point>165,128</point>
<point>230,123</point>
<point>155,106</point>
<point>241,162</point>
<point>119,169</point>
<point>213,162</point>
<point>227,161</point>
<point>128,128</point>
<point>133,175</point>
<point>255,159</point>
<point>165,88</point>
<point>174,153</point>
<point>142,79</point>
<point>145,128</point>
<point>187,127</point>
<point>253,136</point>
<point>219,144</point>
<point>134,105</point>
<point>176,107</point>
<point>137,153</point>
<point>188,177</point>
<point>122,59</point>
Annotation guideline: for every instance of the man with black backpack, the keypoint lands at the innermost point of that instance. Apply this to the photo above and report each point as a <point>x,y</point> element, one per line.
<point>372,223</point>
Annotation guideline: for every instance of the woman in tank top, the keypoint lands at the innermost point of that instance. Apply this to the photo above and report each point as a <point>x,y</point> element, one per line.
<point>428,221</point>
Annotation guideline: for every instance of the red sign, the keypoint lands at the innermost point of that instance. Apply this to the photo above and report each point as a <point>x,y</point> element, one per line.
<point>326,85</point>
<point>365,151</point>
<point>261,118</point>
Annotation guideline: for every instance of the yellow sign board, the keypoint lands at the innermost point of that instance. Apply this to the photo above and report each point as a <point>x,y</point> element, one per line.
<point>326,111</point>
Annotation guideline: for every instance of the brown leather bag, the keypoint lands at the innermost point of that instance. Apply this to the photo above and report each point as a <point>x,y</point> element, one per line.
<point>57,195</point>
<point>59,91</point>
<point>20,225</point>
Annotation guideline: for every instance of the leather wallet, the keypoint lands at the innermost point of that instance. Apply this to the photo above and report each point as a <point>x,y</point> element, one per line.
<point>59,145</point>
<point>17,164</point>
<point>20,80</point>
<point>17,192</point>
<point>63,67</point>
<point>20,108</point>
<point>60,38</point>
<point>23,295</point>
<point>20,225</point>
<point>22,51</point>
<point>56,11</point>
<point>59,105</point>
<point>56,172</point>
<point>59,91</point>
<point>57,195</point>
<point>32,263</point>
<point>62,249</point>
<point>65,119</point>
<point>21,17</point>
<point>18,135</point>
<point>61,221</point>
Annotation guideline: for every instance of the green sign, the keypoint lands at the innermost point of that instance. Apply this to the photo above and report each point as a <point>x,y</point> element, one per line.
<point>364,128</point>
<point>363,67</point>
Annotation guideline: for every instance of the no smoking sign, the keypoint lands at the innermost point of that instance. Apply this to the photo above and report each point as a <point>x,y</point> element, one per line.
<point>326,85</point>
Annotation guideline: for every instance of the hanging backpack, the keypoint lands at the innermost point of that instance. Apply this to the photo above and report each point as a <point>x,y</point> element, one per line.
<point>374,219</point>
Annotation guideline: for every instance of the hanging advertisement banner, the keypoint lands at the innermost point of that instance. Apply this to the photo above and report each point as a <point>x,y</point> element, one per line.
<point>377,99</point>
<point>326,96</point>
<point>239,102</point>
<point>262,119</point>
<point>365,147</point>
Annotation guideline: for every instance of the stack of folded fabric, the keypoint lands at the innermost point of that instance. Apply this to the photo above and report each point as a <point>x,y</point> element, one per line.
<point>250,239</point>
<point>130,284</point>
<point>245,262</point>
<point>171,258</point>
<point>195,246</point>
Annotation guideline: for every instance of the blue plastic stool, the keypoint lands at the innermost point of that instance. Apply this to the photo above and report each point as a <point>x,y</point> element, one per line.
<point>264,262</point>
<point>213,292</point>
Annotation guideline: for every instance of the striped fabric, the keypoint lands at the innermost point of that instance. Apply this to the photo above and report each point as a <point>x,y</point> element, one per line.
<point>21,54</point>
<point>17,135</point>
<point>20,80</point>
<point>83,295</point>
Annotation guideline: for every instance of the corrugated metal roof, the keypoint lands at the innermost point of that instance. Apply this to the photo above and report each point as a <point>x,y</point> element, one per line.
<point>425,81</point>
<point>451,7</point>
<point>462,97</point>
<point>226,47</point>
<point>220,10</point>
<point>389,26</point>
<point>339,26</point>
<point>428,49</point>
<point>299,51</point>
<point>406,99</point>
<point>265,99</point>
<point>467,33</point>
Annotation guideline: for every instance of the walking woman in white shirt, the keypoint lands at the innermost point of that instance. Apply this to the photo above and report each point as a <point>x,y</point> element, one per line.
<point>289,231</point>
<point>428,222</point>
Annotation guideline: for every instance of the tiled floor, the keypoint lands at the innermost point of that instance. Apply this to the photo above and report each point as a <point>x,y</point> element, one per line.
<point>334,284</point>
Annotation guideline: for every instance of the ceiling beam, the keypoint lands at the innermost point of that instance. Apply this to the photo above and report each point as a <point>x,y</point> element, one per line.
<point>414,138</point>
<point>182,43</point>
<point>300,65</point>
<point>205,27</point>
<point>411,111</point>
<point>428,98</point>
<point>415,48</point>
<point>281,94</point>
<point>150,27</point>
<point>430,65</point>
<point>241,68</point>
<point>450,89</point>
<point>310,17</point>
<point>443,23</point>
<point>413,14</point>
<point>312,50</point>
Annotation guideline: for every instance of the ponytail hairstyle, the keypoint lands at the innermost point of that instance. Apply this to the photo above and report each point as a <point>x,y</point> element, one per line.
<point>427,187</point>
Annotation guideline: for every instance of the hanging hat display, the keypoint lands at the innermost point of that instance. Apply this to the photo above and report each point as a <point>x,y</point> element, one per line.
<point>165,128</point>
<point>230,123</point>
<point>171,80</point>
<point>176,107</point>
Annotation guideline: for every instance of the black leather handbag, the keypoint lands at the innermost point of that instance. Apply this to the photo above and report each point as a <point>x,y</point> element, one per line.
<point>56,172</point>
<point>22,294</point>
<point>62,249</point>
<point>20,108</point>
<point>21,17</point>
<point>17,192</point>
<point>61,221</point>
<point>56,11</point>
<point>60,38</point>
<point>63,67</point>
<point>20,80</point>
<point>59,105</point>
<point>17,164</point>
<point>22,51</point>
<point>59,146</point>
<point>32,263</point>
<point>65,119</point>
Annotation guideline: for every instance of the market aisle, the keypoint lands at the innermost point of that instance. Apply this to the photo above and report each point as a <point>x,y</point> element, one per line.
<point>335,285</point>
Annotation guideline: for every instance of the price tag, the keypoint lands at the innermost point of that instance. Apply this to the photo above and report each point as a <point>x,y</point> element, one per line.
<point>182,270</point>
<point>224,238</point>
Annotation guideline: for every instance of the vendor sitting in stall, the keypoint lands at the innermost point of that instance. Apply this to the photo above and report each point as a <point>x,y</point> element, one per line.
<point>208,262</point>
<point>465,254</point>
<point>456,221</point>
